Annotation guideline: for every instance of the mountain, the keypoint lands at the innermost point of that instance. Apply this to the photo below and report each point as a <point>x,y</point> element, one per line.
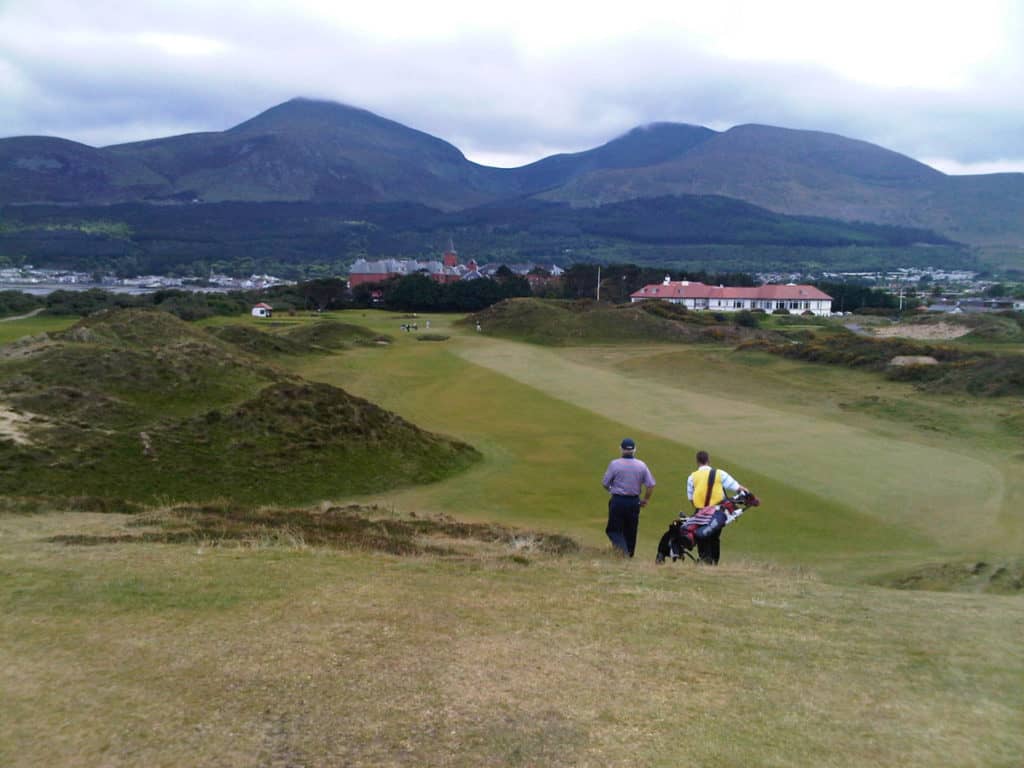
<point>315,150</point>
<point>641,147</point>
<point>810,173</point>
<point>45,169</point>
<point>791,171</point>
<point>323,152</point>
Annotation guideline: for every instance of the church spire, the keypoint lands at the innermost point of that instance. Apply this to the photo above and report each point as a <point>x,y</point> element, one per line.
<point>451,258</point>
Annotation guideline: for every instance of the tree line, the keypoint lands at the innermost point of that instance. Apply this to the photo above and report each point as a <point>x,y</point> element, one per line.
<point>415,293</point>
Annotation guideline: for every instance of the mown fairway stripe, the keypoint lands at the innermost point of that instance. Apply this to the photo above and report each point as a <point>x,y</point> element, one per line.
<point>924,487</point>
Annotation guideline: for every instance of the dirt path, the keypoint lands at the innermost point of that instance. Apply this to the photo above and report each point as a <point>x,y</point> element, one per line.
<point>932,331</point>
<point>33,313</point>
<point>924,486</point>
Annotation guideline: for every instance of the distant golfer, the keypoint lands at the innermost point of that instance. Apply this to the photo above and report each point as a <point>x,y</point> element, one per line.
<point>624,479</point>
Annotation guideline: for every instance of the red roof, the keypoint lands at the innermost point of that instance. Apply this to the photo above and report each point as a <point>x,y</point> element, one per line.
<point>262,305</point>
<point>688,290</point>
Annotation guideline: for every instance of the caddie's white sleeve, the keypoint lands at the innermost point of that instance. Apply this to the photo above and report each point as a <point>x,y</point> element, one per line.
<point>728,481</point>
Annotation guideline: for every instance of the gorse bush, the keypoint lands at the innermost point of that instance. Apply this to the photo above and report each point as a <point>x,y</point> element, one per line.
<point>747,319</point>
<point>977,373</point>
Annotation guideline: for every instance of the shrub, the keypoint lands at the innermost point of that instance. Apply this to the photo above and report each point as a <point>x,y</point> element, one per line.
<point>746,319</point>
<point>877,311</point>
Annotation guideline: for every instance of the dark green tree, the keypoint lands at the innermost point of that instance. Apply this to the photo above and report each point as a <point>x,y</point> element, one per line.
<point>414,293</point>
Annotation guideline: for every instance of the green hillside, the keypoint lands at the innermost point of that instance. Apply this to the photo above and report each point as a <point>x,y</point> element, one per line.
<point>139,405</point>
<point>296,239</point>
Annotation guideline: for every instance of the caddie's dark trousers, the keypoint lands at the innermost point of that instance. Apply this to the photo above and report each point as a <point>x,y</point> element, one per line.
<point>623,521</point>
<point>709,550</point>
<point>709,539</point>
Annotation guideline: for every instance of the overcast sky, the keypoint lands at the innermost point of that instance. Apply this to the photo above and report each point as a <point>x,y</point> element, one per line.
<point>513,82</point>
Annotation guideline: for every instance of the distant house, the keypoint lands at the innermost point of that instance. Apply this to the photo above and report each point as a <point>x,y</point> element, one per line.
<point>472,271</point>
<point>262,310</point>
<point>976,306</point>
<point>794,299</point>
<point>947,307</point>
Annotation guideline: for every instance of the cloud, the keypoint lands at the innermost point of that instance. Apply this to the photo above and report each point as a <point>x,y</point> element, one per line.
<point>954,167</point>
<point>524,81</point>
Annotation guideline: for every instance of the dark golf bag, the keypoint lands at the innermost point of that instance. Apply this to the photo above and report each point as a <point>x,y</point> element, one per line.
<point>702,529</point>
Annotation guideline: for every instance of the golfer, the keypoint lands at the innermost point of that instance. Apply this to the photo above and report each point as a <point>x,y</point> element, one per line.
<point>624,479</point>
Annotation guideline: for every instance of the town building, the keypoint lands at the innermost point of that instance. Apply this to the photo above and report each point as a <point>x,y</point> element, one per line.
<point>447,270</point>
<point>262,310</point>
<point>795,299</point>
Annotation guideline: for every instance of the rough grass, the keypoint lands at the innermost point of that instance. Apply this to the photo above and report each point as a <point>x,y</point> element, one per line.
<point>139,405</point>
<point>329,334</point>
<point>279,653</point>
<point>318,336</point>
<point>257,342</point>
<point>565,323</point>
<point>960,369</point>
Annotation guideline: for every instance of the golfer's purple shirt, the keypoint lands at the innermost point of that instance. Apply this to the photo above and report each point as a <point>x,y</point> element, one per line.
<point>624,477</point>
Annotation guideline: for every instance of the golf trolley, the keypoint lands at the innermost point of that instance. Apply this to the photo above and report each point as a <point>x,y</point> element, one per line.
<point>702,529</point>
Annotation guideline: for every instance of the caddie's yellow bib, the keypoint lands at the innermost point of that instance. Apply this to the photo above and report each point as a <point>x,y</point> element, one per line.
<point>700,488</point>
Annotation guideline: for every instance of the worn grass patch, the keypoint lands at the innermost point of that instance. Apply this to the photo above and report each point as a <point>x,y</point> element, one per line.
<point>1000,577</point>
<point>348,527</point>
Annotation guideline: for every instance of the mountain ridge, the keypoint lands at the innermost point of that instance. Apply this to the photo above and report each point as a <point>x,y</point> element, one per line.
<point>322,151</point>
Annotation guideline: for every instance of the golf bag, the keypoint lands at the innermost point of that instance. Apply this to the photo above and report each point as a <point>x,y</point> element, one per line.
<point>703,529</point>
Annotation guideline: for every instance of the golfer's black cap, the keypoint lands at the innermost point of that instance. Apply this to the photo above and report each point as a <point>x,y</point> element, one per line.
<point>628,444</point>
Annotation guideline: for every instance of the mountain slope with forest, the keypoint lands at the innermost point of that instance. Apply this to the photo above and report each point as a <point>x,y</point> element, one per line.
<point>290,239</point>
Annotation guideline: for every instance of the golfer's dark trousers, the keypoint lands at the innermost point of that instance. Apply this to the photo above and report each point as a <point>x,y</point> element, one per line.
<point>623,521</point>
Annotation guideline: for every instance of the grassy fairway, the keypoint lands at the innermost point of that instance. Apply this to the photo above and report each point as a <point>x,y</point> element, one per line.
<point>10,330</point>
<point>853,469</point>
